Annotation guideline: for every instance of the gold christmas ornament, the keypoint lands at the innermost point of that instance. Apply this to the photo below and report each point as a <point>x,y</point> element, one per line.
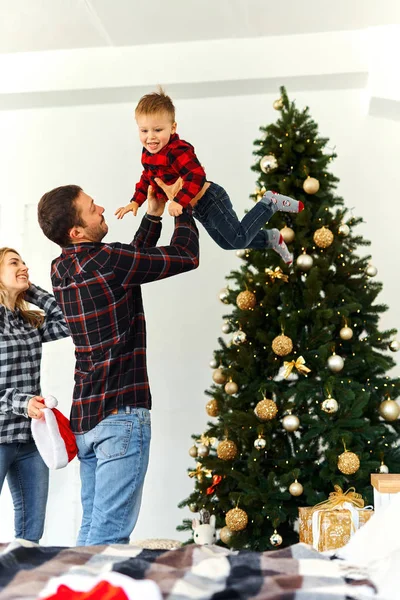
<point>223,296</point>
<point>330,405</point>
<point>348,463</point>
<point>226,535</point>
<point>323,237</point>
<point>266,410</point>
<point>246,300</point>
<point>193,451</point>
<point>299,364</point>
<point>241,253</point>
<point>371,270</point>
<point>276,539</point>
<point>335,363</point>
<point>282,345</point>
<point>346,333</point>
<point>278,104</point>
<point>193,507</point>
<point>231,388</point>
<point>389,410</point>
<point>227,450</point>
<point>311,185</point>
<point>219,376</point>
<point>343,230</point>
<point>236,519</point>
<point>291,423</point>
<point>277,273</point>
<point>259,193</point>
<point>295,488</point>
<point>268,163</point>
<point>212,408</point>
<point>304,262</point>
<point>394,346</point>
<point>288,234</point>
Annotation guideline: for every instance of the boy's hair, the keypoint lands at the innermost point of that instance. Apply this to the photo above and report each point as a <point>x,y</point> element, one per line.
<point>156,102</point>
<point>57,213</point>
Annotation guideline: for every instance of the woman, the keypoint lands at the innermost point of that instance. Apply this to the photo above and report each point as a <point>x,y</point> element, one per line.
<point>22,332</point>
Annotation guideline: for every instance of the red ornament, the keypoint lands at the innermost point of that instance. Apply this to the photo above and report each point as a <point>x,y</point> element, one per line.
<point>215,481</point>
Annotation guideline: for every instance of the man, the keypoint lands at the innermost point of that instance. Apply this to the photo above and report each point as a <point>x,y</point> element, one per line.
<point>97,286</point>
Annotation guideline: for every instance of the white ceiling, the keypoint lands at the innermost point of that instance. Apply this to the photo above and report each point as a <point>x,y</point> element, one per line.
<point>37,25</point>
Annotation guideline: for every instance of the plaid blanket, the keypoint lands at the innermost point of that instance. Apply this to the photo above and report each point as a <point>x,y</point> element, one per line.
<point>29,572</point>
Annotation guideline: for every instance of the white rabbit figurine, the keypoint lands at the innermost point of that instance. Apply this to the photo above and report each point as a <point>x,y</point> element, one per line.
<point>204,529</point>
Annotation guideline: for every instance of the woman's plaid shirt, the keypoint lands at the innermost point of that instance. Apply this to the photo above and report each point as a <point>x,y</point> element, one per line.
<point>20,357</point>
<point>97,286</point>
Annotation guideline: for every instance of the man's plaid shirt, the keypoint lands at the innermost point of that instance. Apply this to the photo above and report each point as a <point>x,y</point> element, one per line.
<point>97,286</point>
<point>176,159</point>
<point>20,357</point>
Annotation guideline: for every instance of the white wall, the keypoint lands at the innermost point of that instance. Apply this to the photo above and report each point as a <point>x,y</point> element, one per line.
<point>96,147</point>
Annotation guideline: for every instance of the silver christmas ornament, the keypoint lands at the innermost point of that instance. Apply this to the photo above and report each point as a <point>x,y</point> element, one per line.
<point>343,230</point>
<point>330,405</point>
<point>304,262</point>
<point>260,443</point>
<point>371,271</point>
<point>193,451</point>
<point>383,468</point>
<point>241,253</point>
<point>268,163</point>
<point>394,346</point>
<point>238,337</point>
<point>226,328</point>
<point>346,333</point>
<point>213,363</point>
<point>224,296</point>
<point>335,363</point>
<point>276,539</point>
<point>291,422</point>
<point>203,450</point>
<point>389,410</point>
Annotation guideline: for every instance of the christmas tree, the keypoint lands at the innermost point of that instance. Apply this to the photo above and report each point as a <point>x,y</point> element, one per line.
<point>301,399</point>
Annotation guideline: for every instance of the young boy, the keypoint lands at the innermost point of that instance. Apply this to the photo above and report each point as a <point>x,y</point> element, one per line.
<point>167,157</point>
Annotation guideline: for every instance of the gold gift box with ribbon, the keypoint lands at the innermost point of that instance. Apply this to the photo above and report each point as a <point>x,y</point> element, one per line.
<point>330,524</point>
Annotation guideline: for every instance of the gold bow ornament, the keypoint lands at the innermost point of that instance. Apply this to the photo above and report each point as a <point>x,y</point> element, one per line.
<point>299,364</point>
<point>276,274</point>
<point>200,472</point>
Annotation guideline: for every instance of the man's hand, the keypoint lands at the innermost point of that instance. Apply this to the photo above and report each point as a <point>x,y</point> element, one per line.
<point>155,206</point>
<point>131,207</point>
<point>35,407</point>
<point>170,190</point>
<point>174,209</point>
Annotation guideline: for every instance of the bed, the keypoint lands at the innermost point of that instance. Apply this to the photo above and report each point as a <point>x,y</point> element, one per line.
<point>29,571</point>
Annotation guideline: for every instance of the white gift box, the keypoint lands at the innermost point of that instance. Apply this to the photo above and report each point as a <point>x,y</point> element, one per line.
<point>386,487</point>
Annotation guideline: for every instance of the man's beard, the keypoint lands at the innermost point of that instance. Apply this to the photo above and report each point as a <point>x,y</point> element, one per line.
<point>97,232</point>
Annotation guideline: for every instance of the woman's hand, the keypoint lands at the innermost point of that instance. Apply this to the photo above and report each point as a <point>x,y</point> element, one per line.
<point>35,407</point>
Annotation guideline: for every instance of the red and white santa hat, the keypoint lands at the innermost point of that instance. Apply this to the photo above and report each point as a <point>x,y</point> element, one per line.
<point>53,436</point>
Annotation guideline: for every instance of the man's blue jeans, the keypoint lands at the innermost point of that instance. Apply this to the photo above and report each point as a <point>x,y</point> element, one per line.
<point>215,212</point>
<point>113,462</point>
<point>28,480</point>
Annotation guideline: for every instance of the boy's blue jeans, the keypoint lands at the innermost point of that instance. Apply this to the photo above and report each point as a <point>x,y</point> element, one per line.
<point>113,462</point>
<point>28,480</point>
<point>215,212</point>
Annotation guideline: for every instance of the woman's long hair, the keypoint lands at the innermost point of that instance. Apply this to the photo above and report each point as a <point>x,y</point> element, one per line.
<point>33,317</point>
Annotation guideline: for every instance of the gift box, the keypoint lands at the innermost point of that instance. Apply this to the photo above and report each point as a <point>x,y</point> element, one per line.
<point>330,524</point>
<point>386,486</point>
